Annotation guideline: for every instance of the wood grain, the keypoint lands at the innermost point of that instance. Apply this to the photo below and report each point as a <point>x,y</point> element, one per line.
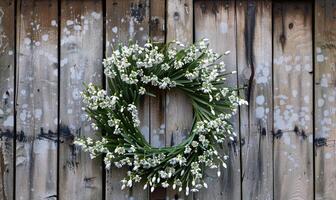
<point>293,101</point>
<point>254,36</point>
<point>81,58</point>
<point>7,51</point>
<point>325,104</point>
<point>178,109</point>
<point>215,20</point>
<point>157,21</point>
<point>37,86</point>
<point>127,20</point>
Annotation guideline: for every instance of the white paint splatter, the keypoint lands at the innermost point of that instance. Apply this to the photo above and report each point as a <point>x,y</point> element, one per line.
<point>320,102</point>
<point>328,155</point>
<point>69,22</point>
<point>83,117</point>
<point>308,67</point>
<point>115,29</point>
<point>76,74</point>
<point>96,15</point>
<point>10,52</point>
<point>9,122</point>
<point>318,50</point>
<point>51,57</point>
<point>27,41</point>
<point>77,27</point>
<point>294,93</point>
<point>38,113</point>
<point>131,28</point>
<point>23,92</point>
<point>53,22</point>
<point>260,100</point>
<point>76,94</point>
<point>320,58</point>
<point>64,61</point>
<point>23,115</point>
<point>324,81</point>
<point>45,37</point>
<point>262,73</point>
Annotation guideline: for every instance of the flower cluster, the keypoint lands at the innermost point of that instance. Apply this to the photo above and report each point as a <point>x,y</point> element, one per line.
<point>132,71</point>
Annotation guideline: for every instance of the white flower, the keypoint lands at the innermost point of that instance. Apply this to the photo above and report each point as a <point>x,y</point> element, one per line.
<point>142,90</point>
<point>187,150</point>
<point>119,150</point>
<point>165,184</point>
<point>194,144</point>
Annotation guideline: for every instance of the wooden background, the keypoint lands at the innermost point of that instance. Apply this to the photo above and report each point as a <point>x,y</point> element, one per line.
<point>285,55</point>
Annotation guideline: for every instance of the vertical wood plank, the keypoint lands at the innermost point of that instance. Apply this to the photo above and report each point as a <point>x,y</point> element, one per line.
<point>157,20</point>
<point>125,20</point>
<point>36,150</point>
<point>7,98</point>
<point>157,104</point>
<point>215,20</point>
<point>293,101</point>
<point>254,49</point>
<point>81,58</point>
<point>325,94</point>
<point>178,109</point>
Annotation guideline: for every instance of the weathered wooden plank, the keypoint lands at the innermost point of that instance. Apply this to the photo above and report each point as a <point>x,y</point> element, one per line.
<point>37,83</point>
<point>293,101</point>
<point>254,36</point>
<point>157,104</point>
<point>325,104</point>
<point>178,109</point>
<point>215,20</point>
<point>127,20</point>
<point>7,97</point>
<point>81,58</point>
<point>157,21</point>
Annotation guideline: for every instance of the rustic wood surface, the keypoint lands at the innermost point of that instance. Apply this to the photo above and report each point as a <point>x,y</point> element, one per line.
<point>7,53</point>
<point>254,29</point>
<point>216,21</point>
<point>287,75</point>
<point>325,104</point>
<point>37,86</point>
<point>81,62</point>
<point>127,20</point>
<point>293,101</point>
<point>178,109</point>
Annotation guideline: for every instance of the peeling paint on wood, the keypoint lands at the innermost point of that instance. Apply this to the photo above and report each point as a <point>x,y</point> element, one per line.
<point>325,95</point>
<point>215,20</point>
<point>81,58</point>
<point>6,98</point>
<point>254,30</point>
<point>293,103</point>
<point>37,86</point>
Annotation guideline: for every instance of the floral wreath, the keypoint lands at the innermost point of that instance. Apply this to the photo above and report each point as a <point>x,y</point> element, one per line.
<point>130,72</point>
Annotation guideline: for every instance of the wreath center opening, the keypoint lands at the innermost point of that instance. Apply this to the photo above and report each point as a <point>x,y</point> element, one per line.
<point>169,117</point>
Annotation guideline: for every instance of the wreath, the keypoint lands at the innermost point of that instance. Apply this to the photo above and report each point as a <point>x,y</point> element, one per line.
<point>130,72</point>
